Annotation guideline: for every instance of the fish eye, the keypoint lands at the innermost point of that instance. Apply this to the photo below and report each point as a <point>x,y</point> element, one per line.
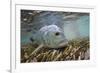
<point>57,33</point>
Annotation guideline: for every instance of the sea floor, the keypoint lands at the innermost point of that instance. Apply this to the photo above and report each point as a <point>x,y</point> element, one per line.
<point>76,50</point>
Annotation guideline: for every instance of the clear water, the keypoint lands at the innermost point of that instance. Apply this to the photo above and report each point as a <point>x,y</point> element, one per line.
<point>73,28</point>
<point>78,28</point>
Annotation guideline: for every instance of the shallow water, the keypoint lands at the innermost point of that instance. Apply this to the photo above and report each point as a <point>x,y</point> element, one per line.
<point>75,27</point>
<point>78,28</point>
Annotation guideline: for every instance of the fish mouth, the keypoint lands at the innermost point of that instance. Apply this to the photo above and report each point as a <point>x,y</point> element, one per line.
<point>63,43</point>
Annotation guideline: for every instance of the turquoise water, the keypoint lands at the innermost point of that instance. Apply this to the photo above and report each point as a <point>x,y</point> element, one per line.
<point>78,28</point>
<point>73,28</point>
<point>83,24</point>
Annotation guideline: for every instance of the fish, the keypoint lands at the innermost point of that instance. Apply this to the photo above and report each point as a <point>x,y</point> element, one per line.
<point>47,29</point>
<point>50,36</point>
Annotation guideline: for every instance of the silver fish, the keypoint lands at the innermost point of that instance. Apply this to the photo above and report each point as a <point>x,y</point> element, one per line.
<point>50,36</point>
